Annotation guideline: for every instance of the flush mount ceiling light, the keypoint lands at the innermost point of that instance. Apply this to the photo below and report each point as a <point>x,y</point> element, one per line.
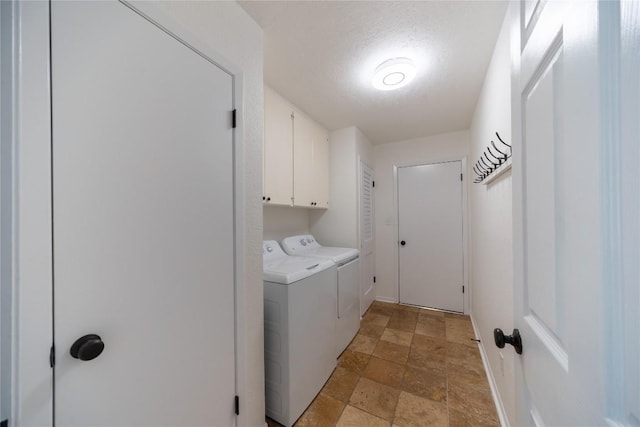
<point>394,74</point>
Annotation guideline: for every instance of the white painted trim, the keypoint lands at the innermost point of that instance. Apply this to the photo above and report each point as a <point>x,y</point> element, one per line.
<point>497,400</point>
<point>32,387</point>
<point>32,303</point>
<point>387,299</point>
<point>465,224</point>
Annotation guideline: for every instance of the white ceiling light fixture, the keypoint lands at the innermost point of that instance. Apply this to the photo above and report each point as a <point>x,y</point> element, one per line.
<point>394,74</point>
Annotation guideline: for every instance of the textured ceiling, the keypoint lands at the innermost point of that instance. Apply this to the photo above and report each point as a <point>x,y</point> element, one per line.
<point>321,55</point>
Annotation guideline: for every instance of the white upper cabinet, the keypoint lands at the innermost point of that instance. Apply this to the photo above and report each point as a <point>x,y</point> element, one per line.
<point>296,156</point>
<point>278,150</point>
<point>320,190</point>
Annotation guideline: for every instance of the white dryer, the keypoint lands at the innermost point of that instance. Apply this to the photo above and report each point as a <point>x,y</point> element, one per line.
<point>347,309</point>
<point>299,330</point>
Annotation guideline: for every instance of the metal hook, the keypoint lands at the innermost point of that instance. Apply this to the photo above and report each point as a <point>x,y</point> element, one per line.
<point>476,172</point>
<point>502,140</point>
<point>491,166</point>
<point>499,159</point>
<point>504,154</point>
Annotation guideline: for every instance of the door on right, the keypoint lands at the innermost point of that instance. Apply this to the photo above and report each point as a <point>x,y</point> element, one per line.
<point>430,260</point>
<point>575,96</point>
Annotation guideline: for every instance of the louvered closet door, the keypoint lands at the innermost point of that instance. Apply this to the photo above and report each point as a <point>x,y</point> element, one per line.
<point>367,290</point>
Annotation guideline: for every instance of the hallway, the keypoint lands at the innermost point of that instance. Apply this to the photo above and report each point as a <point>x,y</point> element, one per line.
<point>406,367</point>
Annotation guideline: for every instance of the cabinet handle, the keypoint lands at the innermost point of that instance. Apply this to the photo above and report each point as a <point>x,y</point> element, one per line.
<point>268,199</point>
<point>264,198</point>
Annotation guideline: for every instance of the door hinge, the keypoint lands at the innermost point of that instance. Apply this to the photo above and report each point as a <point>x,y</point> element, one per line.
<point>237,405</point>
<point>463,289</point>
<point>374,279</point>
<point>233,118</point>
<point>460,177</point>
<point>373,184</point>
<point>52,356</point>
<point>4,423</point>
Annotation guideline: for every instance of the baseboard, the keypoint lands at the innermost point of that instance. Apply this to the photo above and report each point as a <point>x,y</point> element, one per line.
<point>386,299</point>
<point>504,421</point>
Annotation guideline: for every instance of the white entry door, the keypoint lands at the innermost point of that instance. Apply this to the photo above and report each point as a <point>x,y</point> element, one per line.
<point>431,263</point>
<point>580,361</point>
<point>143,223</point>
<point>367,242</point>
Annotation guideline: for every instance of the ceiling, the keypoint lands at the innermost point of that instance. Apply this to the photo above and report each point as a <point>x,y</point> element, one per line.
<point>321,56</point>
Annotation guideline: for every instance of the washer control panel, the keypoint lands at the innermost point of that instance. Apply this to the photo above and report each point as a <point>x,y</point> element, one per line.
<point>299,244</point>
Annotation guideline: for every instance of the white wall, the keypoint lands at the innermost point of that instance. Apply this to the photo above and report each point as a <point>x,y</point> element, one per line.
<point>338,225</point>
<point>448,146</point>
<point>491,273</point>
<point>284,221</point>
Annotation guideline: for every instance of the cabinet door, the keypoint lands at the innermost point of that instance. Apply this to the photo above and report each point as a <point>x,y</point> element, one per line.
<point>303,171</point>
<point>320,167</point>
<point>278,148</point>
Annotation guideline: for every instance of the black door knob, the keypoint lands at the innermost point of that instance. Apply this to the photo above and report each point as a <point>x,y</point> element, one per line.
<point>87,347</point>
<point>514,339</point>
<point>402,242</point>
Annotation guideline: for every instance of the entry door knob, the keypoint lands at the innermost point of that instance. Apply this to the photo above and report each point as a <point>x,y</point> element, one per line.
<point>402,242</point>
<point>514,339</point>
<point>87,347</point>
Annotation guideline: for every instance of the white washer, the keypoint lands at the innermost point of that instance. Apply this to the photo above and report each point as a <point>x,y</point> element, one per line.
<point>299,330</point>
<point>348,295</point>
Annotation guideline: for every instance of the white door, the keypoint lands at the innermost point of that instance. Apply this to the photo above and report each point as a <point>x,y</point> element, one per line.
<point>143,223</point>
<point>430,260</point>
<point>580,363</point>
<point>367,242</point>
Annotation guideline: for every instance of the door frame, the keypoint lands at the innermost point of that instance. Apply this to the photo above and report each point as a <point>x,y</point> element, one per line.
<point>30,203</point>
<point>465,227</point>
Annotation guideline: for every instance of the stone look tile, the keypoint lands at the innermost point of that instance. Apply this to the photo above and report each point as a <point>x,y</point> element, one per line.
<point>392,352</point>
<point>375,398</point>
<point>417,411</point>
<point>376,319</point>
<point>477,403</point>
<point>403,321</point>
<point>408,366</point>
<point>428,383</point>
<point>324,411</point>
<point>363,344</point>
<point>432,313</point>
<point>371,330</point>
<point>431,326</point>
<point>384,372</point>
<point>383,308</point>
<point>341,384</point>
<point>410,308</point>
<point>354,361</point>
<point>465,419</point>
<point>354,417</point>
<point>462,354</point>
<point>467,375</point>
<point>460,331</point>
<point>427,352</point>
<point>397,337</point>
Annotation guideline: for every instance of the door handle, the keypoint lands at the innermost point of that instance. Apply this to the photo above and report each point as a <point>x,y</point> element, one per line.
<point>87,347</point>
<point>402,243</point>
<point>514,339</point>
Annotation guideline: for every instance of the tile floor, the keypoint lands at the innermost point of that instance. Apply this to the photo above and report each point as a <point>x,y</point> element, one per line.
<point>406,367</point>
